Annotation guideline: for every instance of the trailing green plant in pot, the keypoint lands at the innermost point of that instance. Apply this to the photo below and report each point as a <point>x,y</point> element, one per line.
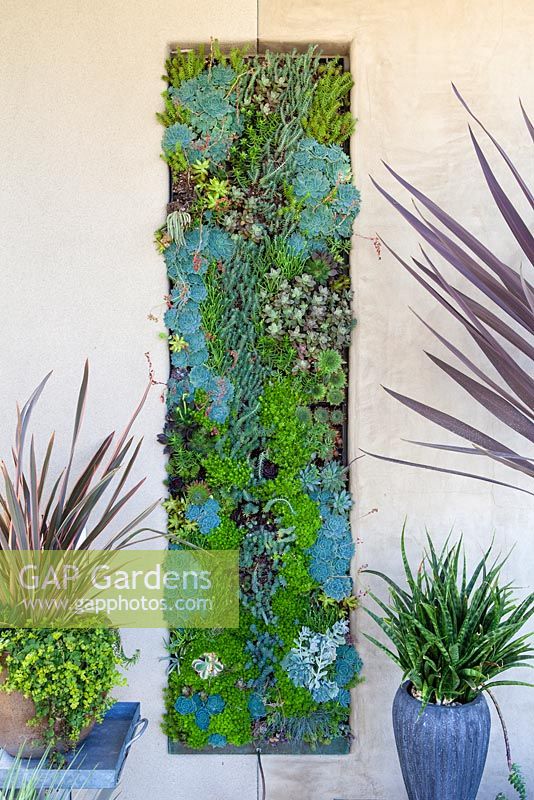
<point>453,637</point>
<point>56,683</point>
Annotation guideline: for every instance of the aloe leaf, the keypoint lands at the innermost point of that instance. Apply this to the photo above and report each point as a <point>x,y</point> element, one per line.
<point>382,647</point>
<point>505,683</point>
<point>389,581</point>
<point>457,633</point>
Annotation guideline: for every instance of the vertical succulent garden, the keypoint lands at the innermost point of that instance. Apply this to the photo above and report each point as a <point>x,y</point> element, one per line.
<point>256,245</point>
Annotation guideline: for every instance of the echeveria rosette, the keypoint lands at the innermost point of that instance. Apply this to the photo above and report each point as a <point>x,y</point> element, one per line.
<point>333,476</point>
<point>329,160</point>
<point>316,221</point>
<point>312,662</point>
<point>201,246</point>
<point>310,478</point>
<point>195,353</point>
<point>201,378</point>
<point>206,515</point>
<point>221,392</point>
<point>186,266</point>
<point>213,119</point>
<point>330,556</point>
<point>203,707</point>
<point>189,289</point>
<point>339,502</point>
<point>322,184</point>
<point>183,321</point>
<point>338,587</point>
<point>206,101</point>
<point>256,706</point>
<point>177,134</point>
<point>345,206</point>
<point>343,698</point>
<point>348,665</point>
<point>326,487</point>
<point>311,185</point>
<point>217,740</point>
<point>297,242</point>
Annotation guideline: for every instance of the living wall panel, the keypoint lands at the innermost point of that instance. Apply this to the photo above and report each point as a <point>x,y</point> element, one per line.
<point>256,245</point>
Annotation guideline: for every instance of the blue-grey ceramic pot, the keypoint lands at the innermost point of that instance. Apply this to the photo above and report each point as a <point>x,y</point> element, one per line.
<point>442,751</point>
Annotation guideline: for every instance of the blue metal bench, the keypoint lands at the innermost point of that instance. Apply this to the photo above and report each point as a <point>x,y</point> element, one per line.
<point>98,763</point>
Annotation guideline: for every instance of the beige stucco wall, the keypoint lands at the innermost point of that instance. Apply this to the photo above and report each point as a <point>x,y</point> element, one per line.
<point>82,190</point>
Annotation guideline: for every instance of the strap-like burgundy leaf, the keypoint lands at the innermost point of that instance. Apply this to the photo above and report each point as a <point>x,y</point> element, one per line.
<point>444,471</point>
<point>488,399</point>
<point>474,451</point>
<point>502,270</point>
<point>510,164</point>
<point>530,126</point>
<point>512,218</point>
<point>466,265</point>
<point>499,326</point>
<point>459,428</point>
<point>471,365</point>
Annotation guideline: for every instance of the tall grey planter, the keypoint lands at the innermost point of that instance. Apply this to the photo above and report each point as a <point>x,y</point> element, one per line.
<point>442,751</point>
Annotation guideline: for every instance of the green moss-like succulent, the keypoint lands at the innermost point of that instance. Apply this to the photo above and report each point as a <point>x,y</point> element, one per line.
<point>330,120</point>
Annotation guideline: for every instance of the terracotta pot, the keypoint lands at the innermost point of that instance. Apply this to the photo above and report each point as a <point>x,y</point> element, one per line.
<point>15,733</point>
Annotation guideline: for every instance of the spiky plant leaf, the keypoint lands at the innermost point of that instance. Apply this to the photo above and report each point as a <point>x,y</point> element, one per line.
<point>454,636</point>
<point>502,331</point>
<point>31,520</point>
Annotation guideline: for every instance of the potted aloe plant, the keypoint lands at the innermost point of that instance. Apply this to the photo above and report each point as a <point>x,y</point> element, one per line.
<point>55,683</point>
<point>453,635</point>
